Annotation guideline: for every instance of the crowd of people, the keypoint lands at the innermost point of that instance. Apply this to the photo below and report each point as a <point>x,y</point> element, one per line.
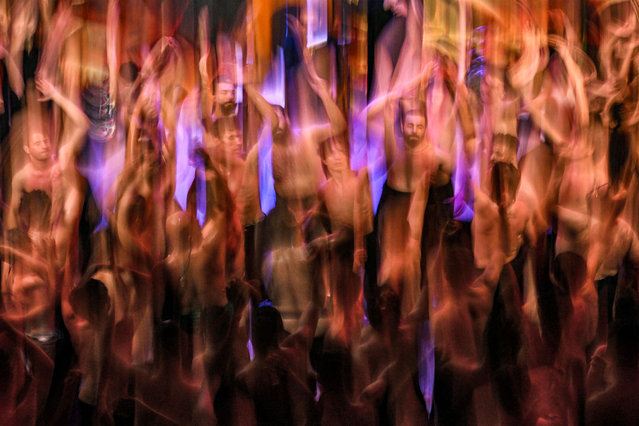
<point>247,225</point>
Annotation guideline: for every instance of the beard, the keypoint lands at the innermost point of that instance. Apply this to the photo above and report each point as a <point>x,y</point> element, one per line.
<point>228,108</point>
<point>412,140</point>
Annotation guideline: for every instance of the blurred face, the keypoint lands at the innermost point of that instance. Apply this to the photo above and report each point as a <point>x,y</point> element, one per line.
<point>225,97</point>
<point>232,141</point>
<point>414,129</point>
<point>39,147</point>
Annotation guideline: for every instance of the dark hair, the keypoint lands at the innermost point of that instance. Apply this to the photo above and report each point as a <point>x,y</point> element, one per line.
<point>129,71</point>
<point>504,177</point>
<point>223,124</point>
<point>267,328</point>
<point>90,300</point>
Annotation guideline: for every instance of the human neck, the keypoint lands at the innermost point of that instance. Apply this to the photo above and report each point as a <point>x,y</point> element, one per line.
<point>340,175</point>
<point>418,145</point>
<point>41,165</point>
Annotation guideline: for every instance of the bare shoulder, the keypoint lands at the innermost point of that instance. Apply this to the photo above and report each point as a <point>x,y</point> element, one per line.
<point>19,178</point>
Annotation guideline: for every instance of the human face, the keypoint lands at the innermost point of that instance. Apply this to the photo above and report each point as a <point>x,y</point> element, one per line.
<point>225,97</point>
<point>414,129</point>
<point>336,159</point>
<point>232,141</point>
<point>39,147</point>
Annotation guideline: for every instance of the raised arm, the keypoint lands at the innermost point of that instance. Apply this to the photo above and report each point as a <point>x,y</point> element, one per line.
<point>113,13</point>
<point>576,78</point>
<point>336,121</point>
<point>205,49</point>
<point>263,107</point>
<point>60,30</point>
<point>73,138</point>
<point>390,143</point>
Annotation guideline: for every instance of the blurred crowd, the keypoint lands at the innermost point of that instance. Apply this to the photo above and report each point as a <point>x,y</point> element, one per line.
<point>319,212</point>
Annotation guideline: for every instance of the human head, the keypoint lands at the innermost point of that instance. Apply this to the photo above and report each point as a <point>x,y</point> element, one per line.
<point>335,157</point>
<point>38,146</point>
<point>90,300</point>
<point>504,179</point>
<point>268,329</point>
<point>224,93</point>
<point>413,122</point>
<point>228,134</point>
<point>504,148</point>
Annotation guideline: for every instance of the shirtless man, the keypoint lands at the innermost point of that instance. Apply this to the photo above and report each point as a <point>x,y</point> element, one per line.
<point>501,222</point>
<point>56,177</point>
<point>197,126</point>
<point>199,261</point>
<point>59,194</point>
<point>412,171</point>
<point>297,174</point>
<point>345,196</point>
<point>225,147</point>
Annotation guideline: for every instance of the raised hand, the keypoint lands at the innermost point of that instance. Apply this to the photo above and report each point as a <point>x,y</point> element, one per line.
<point>203,37</point>
<point>59,31</point>
<point>296,29</point>
<point>46,88</point>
